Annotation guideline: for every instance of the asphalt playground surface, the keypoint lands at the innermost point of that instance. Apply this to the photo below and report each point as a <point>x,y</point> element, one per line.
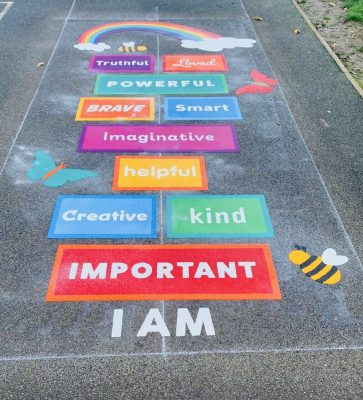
<point>301,147</point>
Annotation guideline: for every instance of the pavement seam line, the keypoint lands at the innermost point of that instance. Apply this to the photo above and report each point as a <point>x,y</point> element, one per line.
<point>342,67</point>
<point>8,4</point>
<point>298,131</point>
<point>185,353</point>
<point>163,340</point>
<point>37,89</point>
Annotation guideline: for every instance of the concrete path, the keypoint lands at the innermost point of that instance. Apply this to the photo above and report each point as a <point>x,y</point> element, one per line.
<point>300,148</point>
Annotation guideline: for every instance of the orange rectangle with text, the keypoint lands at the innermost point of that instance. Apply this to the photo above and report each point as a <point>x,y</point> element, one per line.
<point>163,272</point>
<point>194,63</point>
<point>115,109</point>
<point>159,173</point>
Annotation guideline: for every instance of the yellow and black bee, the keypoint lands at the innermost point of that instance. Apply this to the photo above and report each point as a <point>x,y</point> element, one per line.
<point>129,47</point>
<point>320,269</point>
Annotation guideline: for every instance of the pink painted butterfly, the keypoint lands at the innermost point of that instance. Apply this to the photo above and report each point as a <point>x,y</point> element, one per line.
<point>53,175</point>
<point>261,84</point>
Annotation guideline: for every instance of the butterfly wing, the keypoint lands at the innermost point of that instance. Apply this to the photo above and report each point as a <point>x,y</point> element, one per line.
<point>63,176</point>
<point>42,164</point>
<point>254,88</point>
<point>258,76</point>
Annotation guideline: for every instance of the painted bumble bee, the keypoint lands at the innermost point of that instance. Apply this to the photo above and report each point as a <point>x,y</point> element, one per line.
<point>322,269</point>
<point>129,47</point>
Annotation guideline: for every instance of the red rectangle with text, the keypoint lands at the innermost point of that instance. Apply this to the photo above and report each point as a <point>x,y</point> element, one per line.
<point>194,63</point>
<point>163,272</point>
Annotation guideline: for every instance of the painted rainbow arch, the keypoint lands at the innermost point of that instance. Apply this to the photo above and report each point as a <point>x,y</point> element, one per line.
<point>182,32</point>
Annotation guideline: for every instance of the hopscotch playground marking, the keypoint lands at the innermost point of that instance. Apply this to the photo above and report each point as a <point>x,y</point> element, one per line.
<point>105,277</point>
<point>204,272</point>
<point>224,270</point>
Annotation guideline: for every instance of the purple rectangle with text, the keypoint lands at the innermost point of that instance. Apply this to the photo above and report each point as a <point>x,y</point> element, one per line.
<point>122,63</point>
<point>158,138</point>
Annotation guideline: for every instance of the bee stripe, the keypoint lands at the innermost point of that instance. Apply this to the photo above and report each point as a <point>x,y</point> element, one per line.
<point>328,275</point>
<point>312,266</point>
<point>323,272</point>
<point>310,260</point>
<point>317,269</point>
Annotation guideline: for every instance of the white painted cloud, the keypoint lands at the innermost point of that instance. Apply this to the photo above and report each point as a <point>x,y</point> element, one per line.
<point>99,47</point>
<point>218,44</point>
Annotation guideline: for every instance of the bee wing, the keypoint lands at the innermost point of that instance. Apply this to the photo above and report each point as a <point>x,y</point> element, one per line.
<point>331,257</point>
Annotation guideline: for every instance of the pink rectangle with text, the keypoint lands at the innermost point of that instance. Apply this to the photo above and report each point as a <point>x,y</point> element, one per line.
<point>158,138</point>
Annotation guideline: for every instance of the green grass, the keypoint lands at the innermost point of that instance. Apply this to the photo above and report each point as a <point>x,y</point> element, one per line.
<point>355,10</point>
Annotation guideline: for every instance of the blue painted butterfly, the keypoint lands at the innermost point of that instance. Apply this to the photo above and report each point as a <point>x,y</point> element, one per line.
<point>53,175</point>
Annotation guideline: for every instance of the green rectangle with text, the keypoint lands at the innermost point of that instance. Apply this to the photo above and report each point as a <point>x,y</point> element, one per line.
<point>218,216</point>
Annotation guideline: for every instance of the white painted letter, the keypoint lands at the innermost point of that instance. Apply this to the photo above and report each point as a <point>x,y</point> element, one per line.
<point>117,268</point>
<point>223,269</point>
<point>185,266</point>
<point>204,270</point>
<point>117,322</point>
<point>148,326</point>
<point>135,270</point>
<point>248,267</point>
<point>111,83</point>
<point>185,320</point>
<point>73,271</point>
<point>89,272</point>
<point>69,215</point>
<point>164,270</point>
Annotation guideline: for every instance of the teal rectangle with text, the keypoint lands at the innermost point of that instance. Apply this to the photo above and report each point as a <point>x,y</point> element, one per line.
<point>160,84</point>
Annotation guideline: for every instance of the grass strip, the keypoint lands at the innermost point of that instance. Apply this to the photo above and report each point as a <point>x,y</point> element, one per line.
<point>355,10</point>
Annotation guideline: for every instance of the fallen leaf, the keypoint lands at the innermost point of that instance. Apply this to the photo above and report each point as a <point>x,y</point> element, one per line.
<point>258,18</point>
<point>296,31</point>
<point>40,64</point>
<point>332,4</point>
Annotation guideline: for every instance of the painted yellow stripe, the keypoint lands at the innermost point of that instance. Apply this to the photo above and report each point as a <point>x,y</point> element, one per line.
<point>324,271</point>
<point>311,266</point>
